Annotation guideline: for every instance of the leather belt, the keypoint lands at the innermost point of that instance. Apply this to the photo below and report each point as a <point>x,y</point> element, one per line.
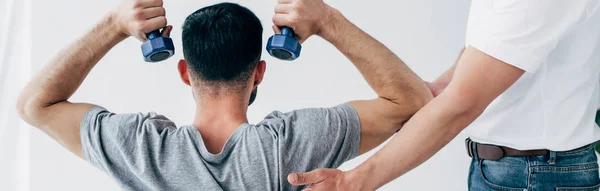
<point>494,152</point>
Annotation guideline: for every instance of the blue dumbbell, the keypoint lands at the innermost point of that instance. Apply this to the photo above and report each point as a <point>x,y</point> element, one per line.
<point>158,47</point>
<point>284,46</point>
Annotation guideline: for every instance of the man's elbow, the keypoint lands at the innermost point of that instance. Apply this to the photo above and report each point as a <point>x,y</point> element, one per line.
<point>23,110</point>
<point>407,105</point>
<point>414,100</point>
<point>28,111</point>
<point>420,100</point>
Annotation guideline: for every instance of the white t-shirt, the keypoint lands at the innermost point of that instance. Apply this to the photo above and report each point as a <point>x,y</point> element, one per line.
<point>557,42</point>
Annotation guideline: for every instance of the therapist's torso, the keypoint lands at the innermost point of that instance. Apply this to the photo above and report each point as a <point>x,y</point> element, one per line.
<point>553,105</point>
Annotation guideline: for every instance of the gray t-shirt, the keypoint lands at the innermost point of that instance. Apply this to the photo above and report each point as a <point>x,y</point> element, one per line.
<point>149,152</point>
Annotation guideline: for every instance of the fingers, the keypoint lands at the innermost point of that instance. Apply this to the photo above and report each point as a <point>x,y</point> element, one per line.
<point>432,88</point>
<point>139,17</point>
<point>150,16</point>
<point>305,17</point>
<point>301,39</point>
<point>435,88</point>
<point>147,3</point>
<point>276,29</point>
<point>166,32</point>
<point>429,85</point>
<point>150,13</point>
<point>281,20</point>
<point>283,8</point>
<point>312,177</point>
<point>284,1</point>
<point>150,25</point>
<point>154,24</point>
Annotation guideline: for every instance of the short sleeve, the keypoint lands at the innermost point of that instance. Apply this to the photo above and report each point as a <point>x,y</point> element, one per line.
<point>319,138</point>
<point>522,33</point>
<point>122,144</point>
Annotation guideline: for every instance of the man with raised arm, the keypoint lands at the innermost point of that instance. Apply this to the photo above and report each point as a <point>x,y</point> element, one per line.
<point>219,149</point>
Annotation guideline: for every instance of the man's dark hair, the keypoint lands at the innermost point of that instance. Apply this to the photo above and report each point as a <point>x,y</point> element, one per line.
<point>222,44</point>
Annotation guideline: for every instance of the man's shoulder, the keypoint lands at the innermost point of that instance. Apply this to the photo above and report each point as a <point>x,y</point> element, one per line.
<point>148,120</point>
<point>272,122</point>
<point>308,116</point>
<point>279,118</point>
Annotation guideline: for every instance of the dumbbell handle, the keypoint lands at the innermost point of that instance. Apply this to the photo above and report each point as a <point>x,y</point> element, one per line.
<point>153,34</point>
<point>287,31</point>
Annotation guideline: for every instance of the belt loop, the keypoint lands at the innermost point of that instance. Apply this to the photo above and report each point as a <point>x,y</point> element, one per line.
<point>552,158</point>
<point>473,146</point>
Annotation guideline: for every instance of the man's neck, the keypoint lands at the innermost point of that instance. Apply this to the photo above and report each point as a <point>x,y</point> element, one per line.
<point>218,118</point>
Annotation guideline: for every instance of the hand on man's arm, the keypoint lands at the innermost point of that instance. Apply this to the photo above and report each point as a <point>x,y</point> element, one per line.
<point>400,91</point>
<point>43,102</point>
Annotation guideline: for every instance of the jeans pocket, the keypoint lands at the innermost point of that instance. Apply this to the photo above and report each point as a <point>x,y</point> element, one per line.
<point>588,188</point>
<point>496,186</point>
<point>581,177</point>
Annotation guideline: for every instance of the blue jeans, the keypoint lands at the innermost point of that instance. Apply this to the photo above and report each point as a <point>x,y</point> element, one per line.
<point>575,170</point>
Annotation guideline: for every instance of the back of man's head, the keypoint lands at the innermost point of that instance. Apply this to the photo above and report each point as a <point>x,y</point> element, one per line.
<point>222,44</point>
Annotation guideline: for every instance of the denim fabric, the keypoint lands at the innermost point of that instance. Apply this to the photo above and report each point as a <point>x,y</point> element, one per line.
<point>575,170</point>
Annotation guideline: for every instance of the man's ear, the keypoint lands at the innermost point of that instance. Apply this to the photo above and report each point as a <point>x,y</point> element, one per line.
<point>259,72</point>
<point>183,72</point>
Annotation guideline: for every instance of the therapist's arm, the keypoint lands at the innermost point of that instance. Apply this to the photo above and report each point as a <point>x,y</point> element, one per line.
<point>478,79</point>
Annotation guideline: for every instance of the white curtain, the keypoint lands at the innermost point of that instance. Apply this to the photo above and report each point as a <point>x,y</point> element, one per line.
<point>15,28</point>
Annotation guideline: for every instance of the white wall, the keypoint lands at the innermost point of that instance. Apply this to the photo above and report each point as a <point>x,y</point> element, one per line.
<point>426,34</point>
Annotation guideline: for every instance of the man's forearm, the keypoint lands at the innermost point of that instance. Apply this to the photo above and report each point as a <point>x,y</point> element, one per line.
<point>383,70</point>
<point>59,79</point>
